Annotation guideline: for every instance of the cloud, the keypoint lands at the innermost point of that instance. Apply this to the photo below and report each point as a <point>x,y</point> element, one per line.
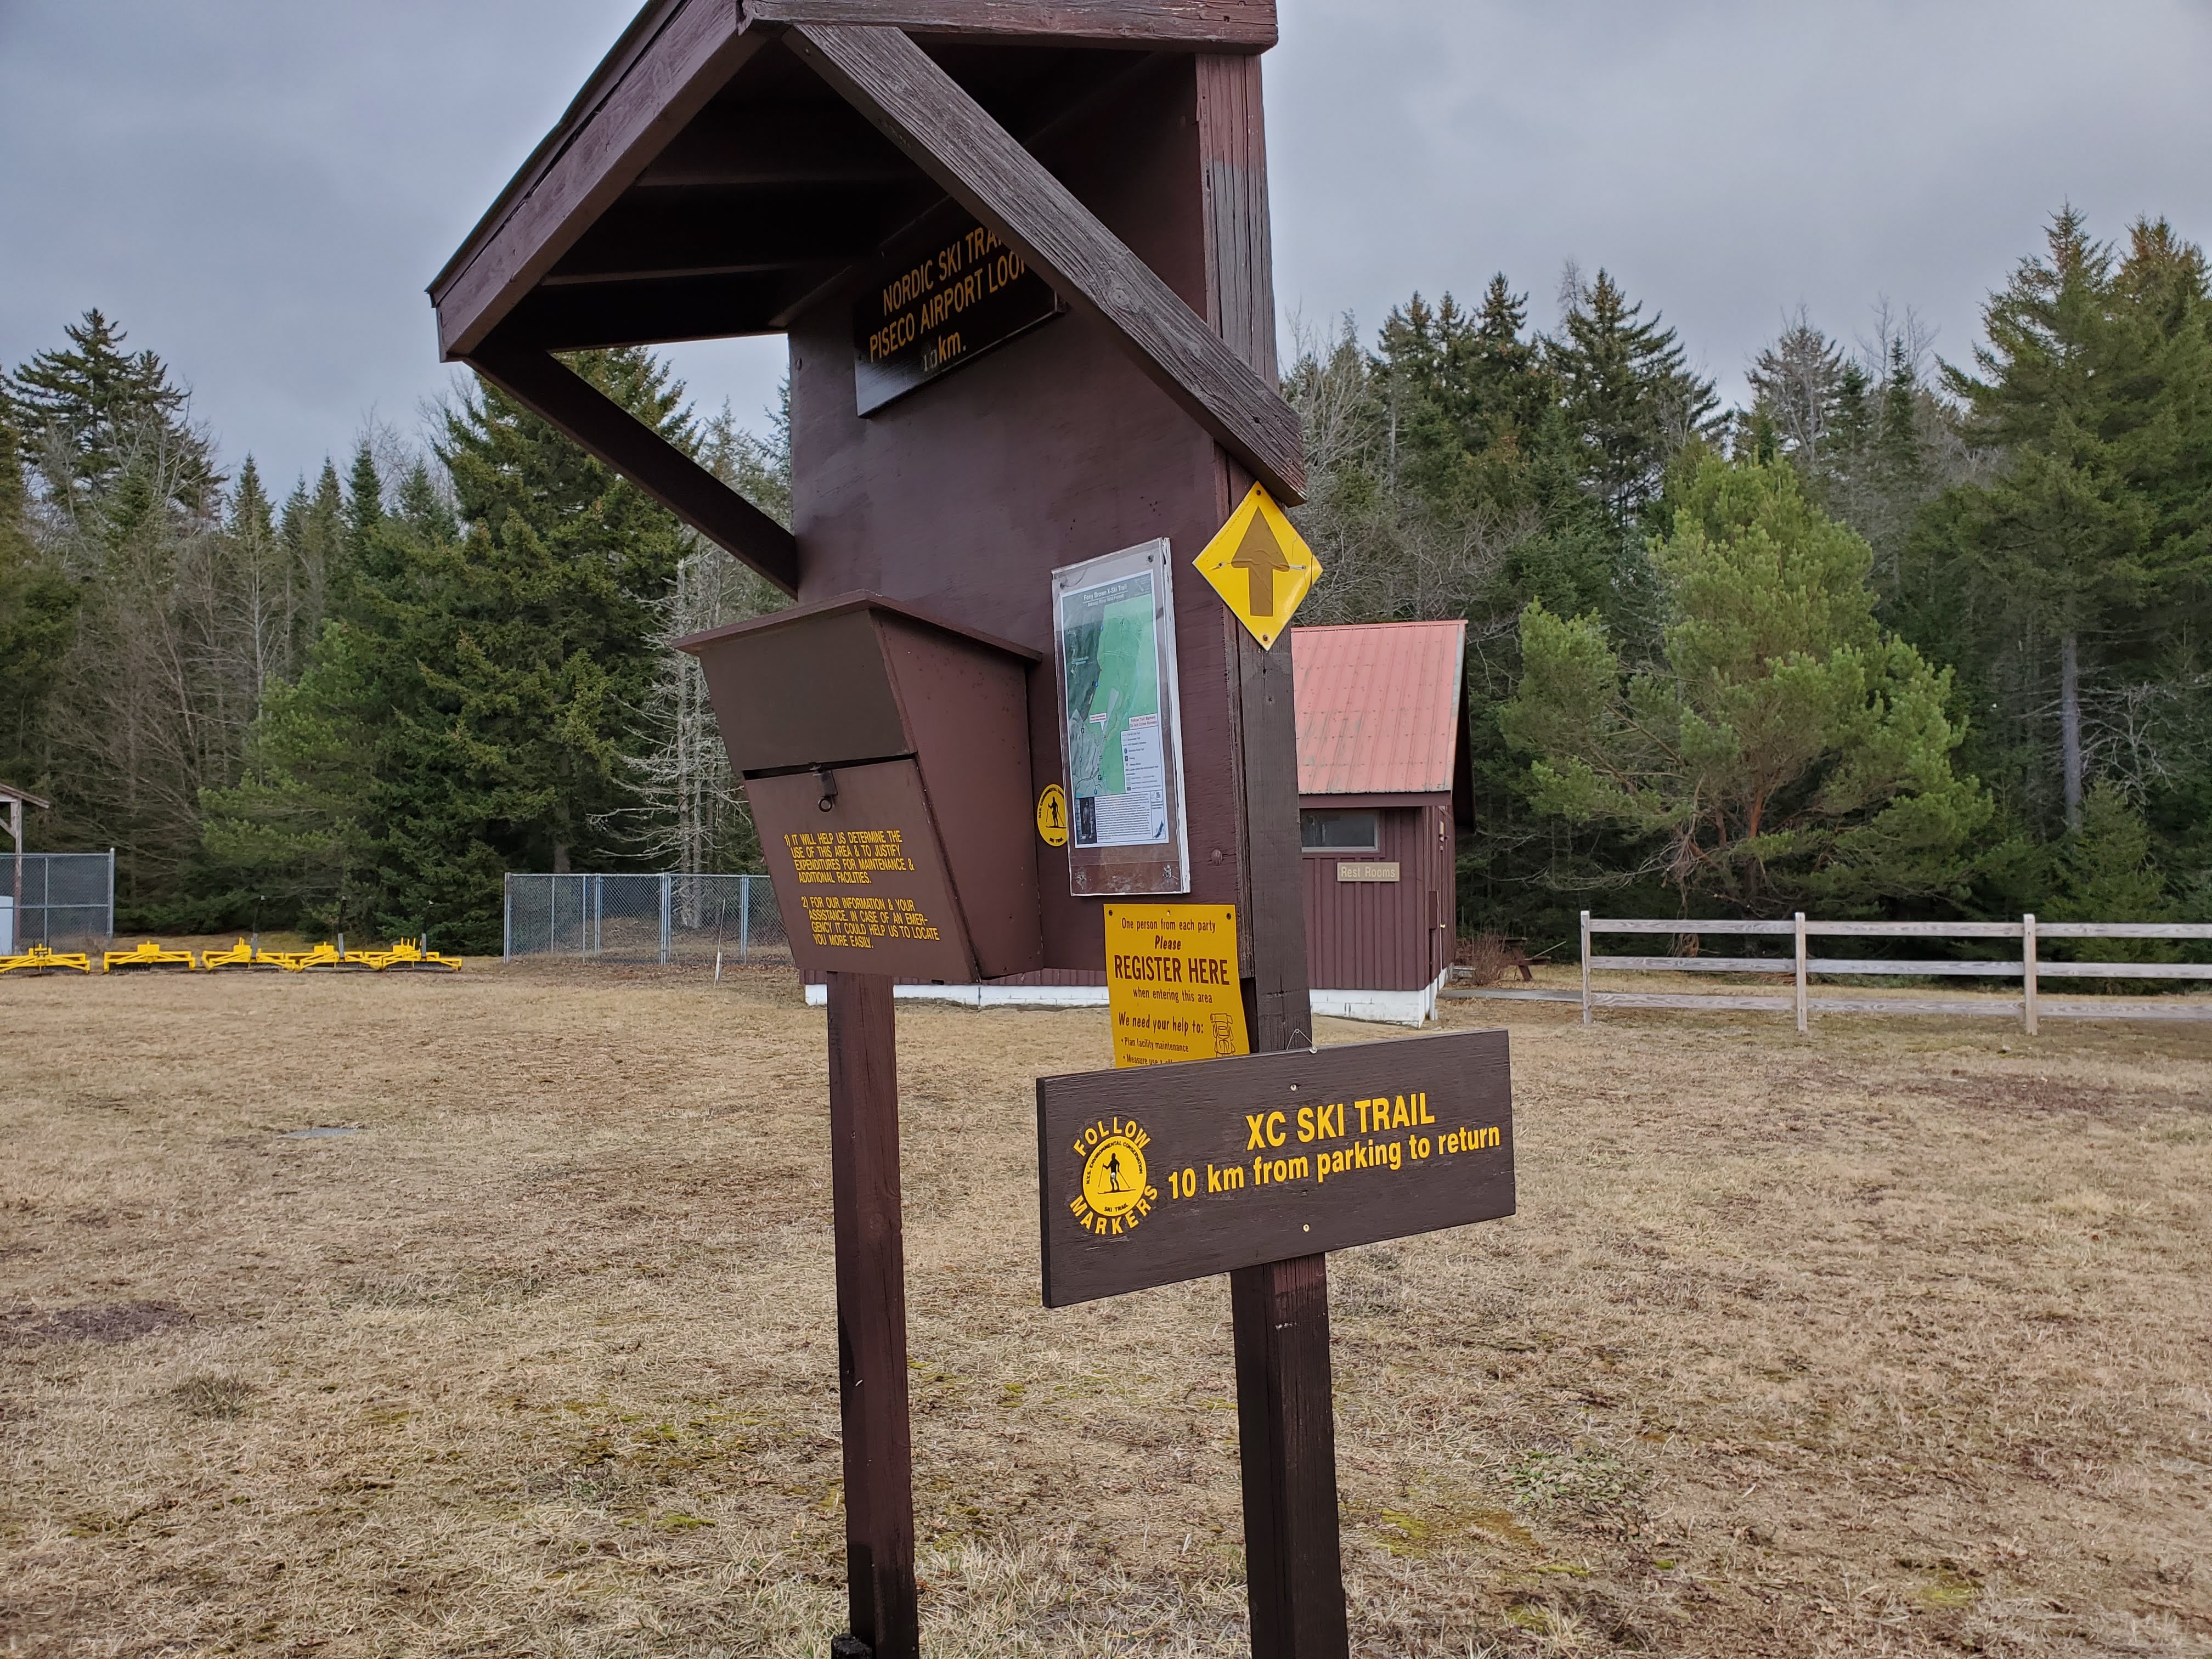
<point>1727,162</point>
<point>259,191</point>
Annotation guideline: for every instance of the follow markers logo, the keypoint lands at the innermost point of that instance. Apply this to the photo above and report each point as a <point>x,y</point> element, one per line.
<point>1116,1195</point>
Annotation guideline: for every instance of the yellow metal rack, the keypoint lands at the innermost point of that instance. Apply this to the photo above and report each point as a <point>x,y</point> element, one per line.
<point>38,960</point>
<point>408,956</point>
<point>146,954</point>
<point>242,955</point>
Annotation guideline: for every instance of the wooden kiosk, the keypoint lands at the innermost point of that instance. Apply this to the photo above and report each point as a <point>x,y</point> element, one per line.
<point>1020,249</point>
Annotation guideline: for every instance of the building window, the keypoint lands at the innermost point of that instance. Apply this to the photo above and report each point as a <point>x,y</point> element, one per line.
<point>1339,832</point>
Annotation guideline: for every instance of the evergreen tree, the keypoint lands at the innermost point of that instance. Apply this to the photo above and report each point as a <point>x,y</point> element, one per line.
<point>2107,870</point>
<point>313,532</point>
<point>2078,573</point>
<point>1871,440</point>
<point>1626,390</point>
<point>1511,391</point>
<point>37,610</point>
<point>299,826</point>
<point>469,710</point>
<point>1783,750</point>
<point>85,411</point>
<point>1447,477</point>
<point>15,548</point>
<point>1897,435</point>
<point>424,509</point>
<point>364,501</point>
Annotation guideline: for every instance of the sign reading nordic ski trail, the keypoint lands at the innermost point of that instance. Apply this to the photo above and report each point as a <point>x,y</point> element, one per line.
<point>940,300</point>
<point>1175,1172</point>
<point>1171,983</point>
<point>1261,566</point>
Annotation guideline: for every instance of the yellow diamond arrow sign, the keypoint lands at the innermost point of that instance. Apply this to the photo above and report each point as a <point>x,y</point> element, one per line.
<point>1260,567</point>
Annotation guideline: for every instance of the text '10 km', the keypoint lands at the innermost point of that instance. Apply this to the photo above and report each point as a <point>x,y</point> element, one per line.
<point>1156,1174</point>
<point>941,303</point>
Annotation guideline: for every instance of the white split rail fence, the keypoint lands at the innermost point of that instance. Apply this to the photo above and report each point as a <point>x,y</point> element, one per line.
<point>2028,968</point>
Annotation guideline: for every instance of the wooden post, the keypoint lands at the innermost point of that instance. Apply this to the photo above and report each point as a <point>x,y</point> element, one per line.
<point>1586,994</point>
<point>1801,973</point>
<point>2027,971</point>
<point>15,847</point>
<point>1286,1427</point>
<point>871,1385</point>
<point>1285,1412</point>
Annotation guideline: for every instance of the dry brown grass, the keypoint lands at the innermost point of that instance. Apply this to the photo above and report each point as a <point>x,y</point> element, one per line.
<point>1894,1340</point>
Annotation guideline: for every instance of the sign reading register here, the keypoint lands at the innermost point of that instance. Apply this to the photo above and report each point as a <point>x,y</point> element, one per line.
<point>1175,1172</point>
<point>1171,985</point>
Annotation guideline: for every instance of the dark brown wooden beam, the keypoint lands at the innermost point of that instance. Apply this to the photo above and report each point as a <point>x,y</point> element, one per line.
<point>881,1595</point>
<point>928,114</point>
<point>1193,25</point>
<point>583,317</point>
<point>548,388</point>
<point>681,232</point>
<point>781,142</point>
<point>1285,1411</point>
<point>1059,101</point>
<point>1287,1445</point>
<point>700,46</point>
<point>641,32</point>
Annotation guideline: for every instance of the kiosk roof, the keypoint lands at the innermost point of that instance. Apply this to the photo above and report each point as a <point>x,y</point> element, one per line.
<point>734,165</point>
<point>705,182</point>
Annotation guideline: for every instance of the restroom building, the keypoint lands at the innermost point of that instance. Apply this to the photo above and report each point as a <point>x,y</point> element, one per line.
<point>1384,787</point>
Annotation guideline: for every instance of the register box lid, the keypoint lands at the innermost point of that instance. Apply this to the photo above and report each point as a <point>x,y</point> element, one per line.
<point>817,685</point>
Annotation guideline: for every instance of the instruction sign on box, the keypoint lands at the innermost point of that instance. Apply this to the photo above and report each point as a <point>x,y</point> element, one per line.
<point>883,754</point>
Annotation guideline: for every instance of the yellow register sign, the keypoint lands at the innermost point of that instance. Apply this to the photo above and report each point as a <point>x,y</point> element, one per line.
<point>1171,983</point>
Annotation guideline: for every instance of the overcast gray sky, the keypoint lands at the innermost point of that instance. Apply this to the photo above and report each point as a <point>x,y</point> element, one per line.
<point>259,189</point>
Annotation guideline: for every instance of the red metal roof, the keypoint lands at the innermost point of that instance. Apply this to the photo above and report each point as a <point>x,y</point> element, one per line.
<point>1378,707</point>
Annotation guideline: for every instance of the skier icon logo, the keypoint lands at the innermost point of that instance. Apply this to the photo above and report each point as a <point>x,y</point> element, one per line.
<point>1052,816</point>
<point>1115,1196</point>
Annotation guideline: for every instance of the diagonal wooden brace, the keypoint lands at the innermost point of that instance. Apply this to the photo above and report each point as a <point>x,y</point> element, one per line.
<point>547,388</point>
<point>952,138</point>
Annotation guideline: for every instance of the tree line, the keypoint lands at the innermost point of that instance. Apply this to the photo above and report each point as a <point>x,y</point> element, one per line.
<point>369,703</point>
<point>1900,636</point>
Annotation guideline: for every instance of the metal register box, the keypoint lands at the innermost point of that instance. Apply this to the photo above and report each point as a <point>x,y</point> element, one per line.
<point>885,757</point>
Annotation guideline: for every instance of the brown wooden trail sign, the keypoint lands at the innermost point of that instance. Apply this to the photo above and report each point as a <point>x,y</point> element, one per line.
<point>946,296</point>
<point>1164,1173</point>
<point>758,167</point>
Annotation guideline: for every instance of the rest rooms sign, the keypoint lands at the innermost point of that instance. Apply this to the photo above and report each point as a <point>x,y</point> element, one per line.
<point>1172,1172</point>
<point>940,302</point>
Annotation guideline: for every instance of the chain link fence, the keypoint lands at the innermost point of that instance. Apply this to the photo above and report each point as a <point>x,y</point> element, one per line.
<point>673,918</point>
<point>64,901</point>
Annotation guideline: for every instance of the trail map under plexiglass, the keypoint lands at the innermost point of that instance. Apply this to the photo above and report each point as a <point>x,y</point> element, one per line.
<point>1114,628</point>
